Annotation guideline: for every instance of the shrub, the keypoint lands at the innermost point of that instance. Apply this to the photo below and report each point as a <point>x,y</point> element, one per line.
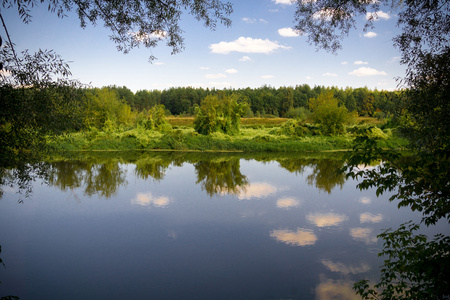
<point>219,113</point>
<point>328,114</point>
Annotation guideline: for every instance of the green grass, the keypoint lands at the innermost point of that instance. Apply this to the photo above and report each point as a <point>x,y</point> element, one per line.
<point>252,138</point>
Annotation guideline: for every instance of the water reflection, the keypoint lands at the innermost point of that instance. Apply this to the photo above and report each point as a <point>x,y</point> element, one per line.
<point>365,235</point>
<point>345,269</point>
<point>324,174</point>
<point>365,200</point>
<point>326,219</point>
<point>221,176</point>
<point>335,289</point>
<point>103,179</point>
<point>301,237</point>
<point>256,190</point>
<point>370,218</point>
<point>148,199</point>
<point>217,174</point>
<point>288,202</point>
<point>162,235</point>
<point>153,167</point>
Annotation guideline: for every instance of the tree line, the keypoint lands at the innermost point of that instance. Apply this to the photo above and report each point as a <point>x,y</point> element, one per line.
<point>265,101</point>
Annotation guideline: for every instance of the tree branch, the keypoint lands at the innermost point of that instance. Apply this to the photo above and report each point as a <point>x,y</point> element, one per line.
<point>10,43</point>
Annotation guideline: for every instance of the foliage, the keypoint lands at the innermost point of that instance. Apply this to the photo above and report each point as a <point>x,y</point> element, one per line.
<point>103,107</point>
<point>155,119</point>
<point>420,181</point>
<point>415,268</point>
<point>219,114</point>
<point>300,113</point>
<point>29,114</point>
<point>328,114</point>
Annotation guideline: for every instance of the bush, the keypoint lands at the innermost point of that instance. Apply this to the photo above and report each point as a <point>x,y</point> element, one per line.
<point>219,113</point>
<point>329,115</point>
<point>299,113</point>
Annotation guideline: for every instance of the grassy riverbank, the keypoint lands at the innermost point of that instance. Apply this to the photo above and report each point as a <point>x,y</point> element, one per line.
<point>255,135</point>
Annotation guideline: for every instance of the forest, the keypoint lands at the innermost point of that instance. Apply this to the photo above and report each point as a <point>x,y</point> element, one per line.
<point>265,101</point>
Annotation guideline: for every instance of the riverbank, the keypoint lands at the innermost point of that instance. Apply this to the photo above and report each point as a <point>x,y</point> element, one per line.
<point>253,137</point>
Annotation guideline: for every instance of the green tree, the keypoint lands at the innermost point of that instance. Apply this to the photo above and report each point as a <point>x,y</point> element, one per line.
<point>219,113</point>
<point>327,113</point>
<point>104,107</point>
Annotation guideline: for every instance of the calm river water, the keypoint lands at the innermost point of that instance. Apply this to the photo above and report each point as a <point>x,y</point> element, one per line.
<point>192,226</point>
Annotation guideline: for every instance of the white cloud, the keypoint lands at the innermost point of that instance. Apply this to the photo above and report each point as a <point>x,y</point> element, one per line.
<point>217,84</point>
<point>363,71</point>
<point>245,58</point>
<point>246,45</point>
<point>231,71</point>
<point>253,20</point>
<point>394,59</point>
<point>159,63</point>
<point>287,2</point>
<point>215,76</point>
<point>344,63</point>
<point>267,76</point>
<point>328,74</point>
<point>204,68</point>
<point>5,73</point>
<point>248,20</point>
<point>327,13</point>
<point>289,32</point>
<point>360,62</point>
<point>378,15</point>
<point>308,77</point>
<point>370,34</point>
<point>145,37</point>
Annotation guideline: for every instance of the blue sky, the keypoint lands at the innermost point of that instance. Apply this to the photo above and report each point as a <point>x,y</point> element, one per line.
<point>258,49</point>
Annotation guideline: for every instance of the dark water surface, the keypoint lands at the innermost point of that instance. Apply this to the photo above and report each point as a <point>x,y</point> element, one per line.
<point>192,226</point>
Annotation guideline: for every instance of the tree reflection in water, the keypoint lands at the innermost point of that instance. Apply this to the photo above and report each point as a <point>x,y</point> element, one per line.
<point>217,173</point>
<point>103,179</point>
<point>324,174</point>
<point>221,176</point>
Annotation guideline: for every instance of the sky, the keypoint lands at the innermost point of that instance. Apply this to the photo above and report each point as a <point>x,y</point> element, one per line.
<point>260,48</point>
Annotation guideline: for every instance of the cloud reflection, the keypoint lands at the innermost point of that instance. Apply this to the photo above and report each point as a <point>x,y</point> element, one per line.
<point>326,220</point>
<point>370,218</point>
<point>288,202</point>
<point>301,237</point>
<point>257,190</point>
<point>148,200</point>
<point>335,289</point>
<point>363,234</point>
<point>365,200</point>
<point>344,269</point>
